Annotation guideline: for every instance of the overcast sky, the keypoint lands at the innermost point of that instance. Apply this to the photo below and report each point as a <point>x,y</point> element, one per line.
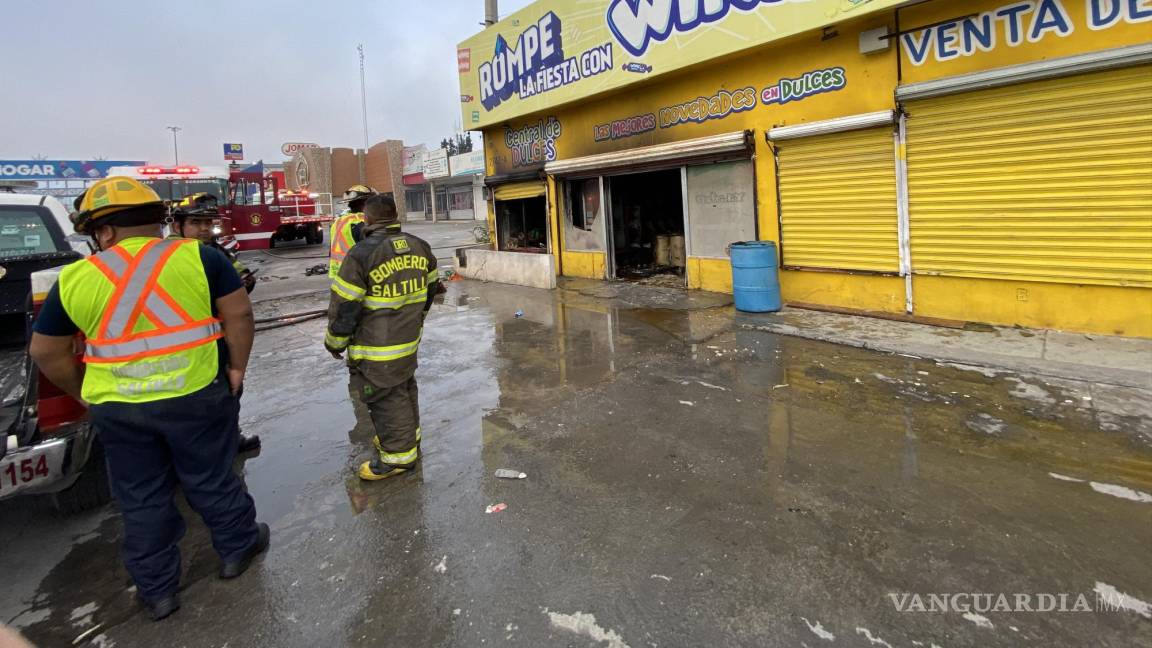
<point>83,78</point>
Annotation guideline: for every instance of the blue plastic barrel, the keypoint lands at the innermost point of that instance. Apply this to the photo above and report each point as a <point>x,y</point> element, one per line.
<point>755,277</point>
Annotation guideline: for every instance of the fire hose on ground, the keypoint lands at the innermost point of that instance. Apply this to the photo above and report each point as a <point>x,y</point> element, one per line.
<point>291,319</point>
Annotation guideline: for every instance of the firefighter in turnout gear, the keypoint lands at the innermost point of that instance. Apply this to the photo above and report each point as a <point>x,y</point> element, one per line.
<point>346,229</point>
<point>379,301</point>
<point>162,392</point>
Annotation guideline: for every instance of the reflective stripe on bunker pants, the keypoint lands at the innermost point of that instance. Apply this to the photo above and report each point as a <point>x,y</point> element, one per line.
<point>139,294</point>
<point>395,413</point>
<point>383,353</point>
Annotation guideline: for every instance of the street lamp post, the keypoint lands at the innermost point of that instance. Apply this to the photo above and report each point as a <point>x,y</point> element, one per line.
<point>175,146</point>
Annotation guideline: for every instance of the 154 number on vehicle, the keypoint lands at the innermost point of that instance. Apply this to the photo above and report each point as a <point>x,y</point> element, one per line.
<point>29,469</point>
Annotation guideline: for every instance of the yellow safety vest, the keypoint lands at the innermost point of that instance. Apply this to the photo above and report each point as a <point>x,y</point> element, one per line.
<point>340,241</point>
<point>146,312</point>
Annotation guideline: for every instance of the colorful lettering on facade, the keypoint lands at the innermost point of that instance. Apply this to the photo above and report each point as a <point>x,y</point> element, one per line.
<point>594,61</point>
<point>636,23</point>
<point>1103,14</point>
<point>700,110</point>
<point>808,84</point>
<point>622,128</point>
<point>534,144</point>
<point>1014,24</point>
<point>537,64</point>
<point>540,46</point>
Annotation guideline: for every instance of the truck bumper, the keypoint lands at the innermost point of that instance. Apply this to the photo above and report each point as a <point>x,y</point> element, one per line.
<point>46,467</point>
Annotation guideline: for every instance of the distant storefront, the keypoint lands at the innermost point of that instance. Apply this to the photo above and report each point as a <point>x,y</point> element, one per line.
<point>984,162</point>
<point>456,182</point>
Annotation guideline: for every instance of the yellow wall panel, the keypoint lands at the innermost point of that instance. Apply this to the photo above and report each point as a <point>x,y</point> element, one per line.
<point>589,265</point>
<point>1108,310</point>
<point>554,242</point>
<point>767,215</point>
<point>843,290</point>
<point>713,275</point>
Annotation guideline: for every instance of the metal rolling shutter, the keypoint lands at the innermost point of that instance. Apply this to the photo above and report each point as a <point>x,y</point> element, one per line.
<point>519,190</point>
<point>838,201</point>
<point>1043,181</point>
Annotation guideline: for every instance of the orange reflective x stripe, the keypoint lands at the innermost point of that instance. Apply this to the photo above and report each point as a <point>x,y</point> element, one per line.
<point>138,294</point>
<point>342,242</point>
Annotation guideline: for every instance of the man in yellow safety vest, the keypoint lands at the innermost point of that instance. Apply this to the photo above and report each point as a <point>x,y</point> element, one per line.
<point>345,229</point>
<point>162,397</point>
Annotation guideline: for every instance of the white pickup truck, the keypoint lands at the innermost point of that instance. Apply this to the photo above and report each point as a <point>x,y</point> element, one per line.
<point>46,444</point>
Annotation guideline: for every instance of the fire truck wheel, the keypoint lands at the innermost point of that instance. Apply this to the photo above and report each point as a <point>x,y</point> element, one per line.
<point>314,237</point>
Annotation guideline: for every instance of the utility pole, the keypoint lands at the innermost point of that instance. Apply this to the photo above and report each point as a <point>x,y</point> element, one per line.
<point>364,112</point>
<point>363,95</point>
<point>491,12</point>
<point>175,146</point>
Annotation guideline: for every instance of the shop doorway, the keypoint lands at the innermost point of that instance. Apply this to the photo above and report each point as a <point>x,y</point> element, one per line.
<point>646,227</point>
<point>522,225</point>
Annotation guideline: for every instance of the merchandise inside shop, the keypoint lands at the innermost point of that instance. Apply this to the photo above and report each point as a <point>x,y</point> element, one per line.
<point>522,225</point>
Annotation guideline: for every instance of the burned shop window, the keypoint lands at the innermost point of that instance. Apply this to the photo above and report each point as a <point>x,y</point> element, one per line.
<point>522,225</point>
<point>584,203</point>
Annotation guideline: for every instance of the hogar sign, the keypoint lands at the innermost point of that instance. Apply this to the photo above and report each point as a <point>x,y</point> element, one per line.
<point>537,64</point>
<point>636,23</point>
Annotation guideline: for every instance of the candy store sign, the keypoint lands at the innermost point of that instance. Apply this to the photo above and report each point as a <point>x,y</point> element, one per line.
<point>534,144</point>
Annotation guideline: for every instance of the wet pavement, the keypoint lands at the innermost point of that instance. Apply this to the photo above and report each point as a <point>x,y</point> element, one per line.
<point>689,483</point>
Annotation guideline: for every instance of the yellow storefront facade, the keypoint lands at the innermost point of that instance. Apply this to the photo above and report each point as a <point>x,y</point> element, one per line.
<point>986,161</point>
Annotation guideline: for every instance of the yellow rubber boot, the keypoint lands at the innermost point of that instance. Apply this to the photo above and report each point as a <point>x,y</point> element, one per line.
<point>376,471</point>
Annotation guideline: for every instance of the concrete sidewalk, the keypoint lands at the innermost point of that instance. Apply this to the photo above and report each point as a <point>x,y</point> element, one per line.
<point>1125,362</point>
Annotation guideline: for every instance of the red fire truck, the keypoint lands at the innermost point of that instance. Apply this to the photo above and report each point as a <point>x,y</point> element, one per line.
<point>256,212</point>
